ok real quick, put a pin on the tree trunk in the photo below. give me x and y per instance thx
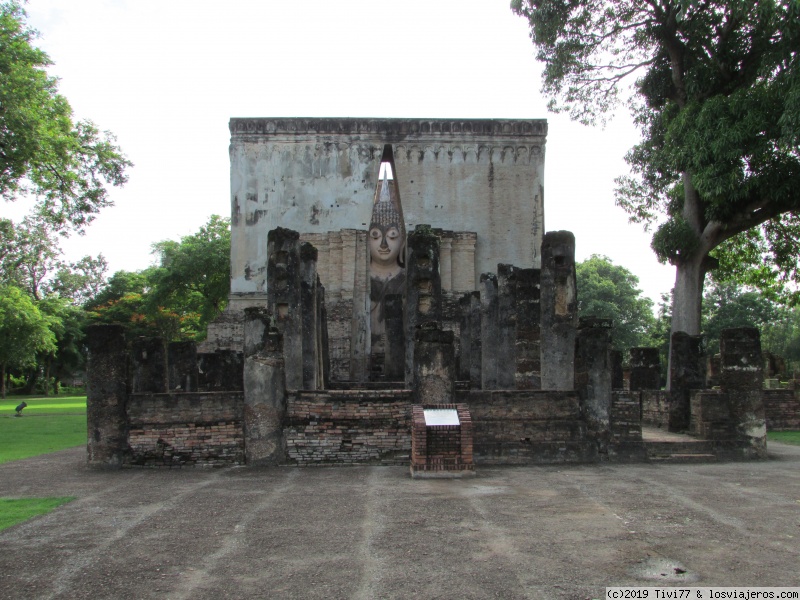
(3, 381)
(47, 378)
(687, 297)
(30, 382)
(687, 301)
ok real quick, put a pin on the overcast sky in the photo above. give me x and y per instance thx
(165, 76)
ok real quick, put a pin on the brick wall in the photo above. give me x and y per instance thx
(655, 408)
(782, 409)
(349, 427)
(624, 418)
(174, 430)
(527, 426)
(710, 416)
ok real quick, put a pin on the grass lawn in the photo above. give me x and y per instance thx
(787, 437)
(16, 510)
(38, 405)
(46, 425)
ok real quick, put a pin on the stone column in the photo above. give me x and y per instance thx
(489, 324)
(264, 389)
(470, 326)
(645, 369)
(528, 309)
(309, 309)
(148, 366)
(463, 261)
(106, 396)
(394, 358)
(434, 365)
(283, 298)
(360, 323)
(687, 373)
(742, 380)
(182, 361)
(325, 353)
(423, 288)
(446, 260)
(506, 331)
(559, 310)
(617, 378)
(593, 370)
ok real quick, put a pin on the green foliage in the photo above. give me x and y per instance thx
(17, 510)
(716, 95)
(195, 272)
(177, 299)
(728, 305)
(66, 166)
(610, 291)
(24, 331)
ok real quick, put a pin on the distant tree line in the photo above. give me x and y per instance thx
(611, 291)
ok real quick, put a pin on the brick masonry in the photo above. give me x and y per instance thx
(439, 450)
(176, 430)
(527, 427)
(349, 427)
(782, 409)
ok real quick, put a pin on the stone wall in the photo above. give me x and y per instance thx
(625, 427)
(185, 429)
(655, 408)
(782, 409)
(318, 175)
(349, 427)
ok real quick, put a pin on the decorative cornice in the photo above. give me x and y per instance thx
(390, 129)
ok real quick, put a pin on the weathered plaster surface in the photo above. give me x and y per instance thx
(319, 175)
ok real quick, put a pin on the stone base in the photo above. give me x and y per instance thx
(418, 473)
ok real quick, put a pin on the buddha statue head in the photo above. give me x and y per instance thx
(387, 234)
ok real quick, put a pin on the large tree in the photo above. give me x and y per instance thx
(612, 292)
(24, 332)
(716, 93)
(65, 165)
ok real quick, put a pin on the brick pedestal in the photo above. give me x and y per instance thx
(441, 451)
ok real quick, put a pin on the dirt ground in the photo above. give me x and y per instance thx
(373, 532)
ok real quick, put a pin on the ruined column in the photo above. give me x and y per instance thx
(182, 362)
(742, 380)
(470, 326)
(264, 389)
(617, 378)
(423, 288)
(359, 325)
(106, 396)
(283, 298)
(395, 356)
(506, 331)
(645, 369)
(325, 354)
(309, 311)
(687, 373)
(489, 324)
(593, 370)
(434, 364)
(528, 309)
(149, 366)
(559, 306)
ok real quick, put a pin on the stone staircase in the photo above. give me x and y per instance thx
(685, 451)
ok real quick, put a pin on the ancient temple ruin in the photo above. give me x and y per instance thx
(384, 270)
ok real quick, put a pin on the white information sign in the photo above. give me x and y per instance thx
(441, 416)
